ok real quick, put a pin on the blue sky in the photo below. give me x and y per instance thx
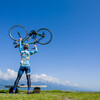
(74, 53)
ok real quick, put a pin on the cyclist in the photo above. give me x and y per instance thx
(24, 65)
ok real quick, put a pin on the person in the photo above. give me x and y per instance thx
(24, 65)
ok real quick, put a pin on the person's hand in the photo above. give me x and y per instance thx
(34, 45)
(20, 39)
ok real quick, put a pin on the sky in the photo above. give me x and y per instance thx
(72, 56)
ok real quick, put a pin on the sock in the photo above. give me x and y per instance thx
(14, 89)
(28, 89)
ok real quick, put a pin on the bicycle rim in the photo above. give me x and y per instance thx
(47, 36)
(13, 32)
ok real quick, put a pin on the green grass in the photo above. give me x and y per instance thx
(84, 95)
(49, 95)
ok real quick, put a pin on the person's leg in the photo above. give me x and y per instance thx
(20, 72)
(16, 82)
(28, 82)
(28, 78)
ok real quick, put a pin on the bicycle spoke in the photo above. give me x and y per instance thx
(45, 35)
(40, 39)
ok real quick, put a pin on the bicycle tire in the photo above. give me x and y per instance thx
(17, 26)
(50, 38)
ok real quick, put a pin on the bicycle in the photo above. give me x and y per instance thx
(42, 36)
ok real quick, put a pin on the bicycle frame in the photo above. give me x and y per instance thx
(33, 35)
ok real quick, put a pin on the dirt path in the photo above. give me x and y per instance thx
(66, 98)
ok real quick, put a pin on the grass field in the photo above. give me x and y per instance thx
(50, 95)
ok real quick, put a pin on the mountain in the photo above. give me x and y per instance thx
(50, 86)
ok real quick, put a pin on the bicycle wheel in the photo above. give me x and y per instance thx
(44, 36)
(16, 30)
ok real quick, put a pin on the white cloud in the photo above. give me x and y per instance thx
(67, 83)
(11, 75)
(44, 78)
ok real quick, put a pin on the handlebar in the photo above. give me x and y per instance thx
(17, 46)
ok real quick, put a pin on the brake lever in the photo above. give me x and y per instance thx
(16, 46)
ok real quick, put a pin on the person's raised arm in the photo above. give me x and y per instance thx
(35, 51)
(20, 45)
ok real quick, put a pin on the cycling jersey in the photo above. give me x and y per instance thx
(25, 55)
